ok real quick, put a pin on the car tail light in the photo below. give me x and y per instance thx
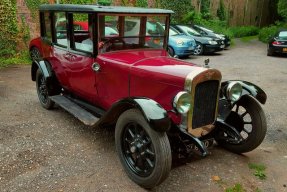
(276, 43)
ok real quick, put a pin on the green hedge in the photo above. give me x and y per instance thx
(266, 32)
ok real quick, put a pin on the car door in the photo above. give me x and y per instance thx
(80, 60)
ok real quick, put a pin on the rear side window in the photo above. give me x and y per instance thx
(82, 33)
(47, 23)
(61, 29)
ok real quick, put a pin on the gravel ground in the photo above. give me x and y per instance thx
(43, 150)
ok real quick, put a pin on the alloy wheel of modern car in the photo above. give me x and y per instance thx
(42, 91)
(249, 119)
(35, 54)
(198, 49)
(144, 152)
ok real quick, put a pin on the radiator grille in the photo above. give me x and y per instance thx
(205, 100)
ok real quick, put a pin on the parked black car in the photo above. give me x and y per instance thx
(209, 33)
(277, 43)
(204, 44)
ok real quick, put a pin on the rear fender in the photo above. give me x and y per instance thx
(155, 115)
(44, 66)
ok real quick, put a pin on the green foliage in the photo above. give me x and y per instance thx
(236, 188)
(104, 2)
(282, 9)
(248, 38)
(21, 58)
(244, 31)
(221, 14)
(142, 3)
(180, 9)
(266, 32)
(259, 170)
(205, 9)
(77, 1)
(9, 28)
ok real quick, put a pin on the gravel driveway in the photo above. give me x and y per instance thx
(43, 150)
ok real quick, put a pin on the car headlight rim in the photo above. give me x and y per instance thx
(182, 102)
(211, 42)
(179, 42)
(234, 91)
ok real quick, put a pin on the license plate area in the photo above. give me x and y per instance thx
(285, 49)
(207, 143)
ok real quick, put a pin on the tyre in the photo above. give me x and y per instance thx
(269, 51)
(198, 49)
(144, 153)
(35, 54)
(170, 51)
(42, 91)
(249, 119)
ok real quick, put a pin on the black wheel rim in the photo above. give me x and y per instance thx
(35, 54)
(138, 150)
(241, 119)
(42, 89)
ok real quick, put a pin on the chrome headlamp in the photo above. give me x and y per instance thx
(181, 102)
(234, 91)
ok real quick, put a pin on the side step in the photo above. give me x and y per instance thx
(86, 117)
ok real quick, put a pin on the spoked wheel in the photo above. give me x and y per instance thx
(198, 49)
(35, 54)
(249, 119)
(144, 153)
(42, 91)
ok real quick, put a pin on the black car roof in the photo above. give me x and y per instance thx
(102, 9)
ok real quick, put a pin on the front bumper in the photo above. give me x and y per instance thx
(213, 48)
(183, 51)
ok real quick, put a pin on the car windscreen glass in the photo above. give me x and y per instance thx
(283, 35)
(131, 32)
(173, 32)
(189, 30)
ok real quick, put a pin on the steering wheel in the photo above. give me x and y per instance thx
(110, 43)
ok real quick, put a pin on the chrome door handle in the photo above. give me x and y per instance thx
(96, 67)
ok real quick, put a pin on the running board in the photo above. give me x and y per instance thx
(83, 115)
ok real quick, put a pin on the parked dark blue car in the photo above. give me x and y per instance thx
(180, 44)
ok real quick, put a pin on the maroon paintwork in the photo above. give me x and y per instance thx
(122, 72)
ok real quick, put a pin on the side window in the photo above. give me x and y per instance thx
(61, 29)
(83, 37)
(47, 23)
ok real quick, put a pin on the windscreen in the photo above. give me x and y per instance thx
(117, 32)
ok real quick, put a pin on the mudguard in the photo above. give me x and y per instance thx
(43, 66)
(155, 115)
(248, 89)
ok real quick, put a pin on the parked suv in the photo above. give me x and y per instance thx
(159, 105)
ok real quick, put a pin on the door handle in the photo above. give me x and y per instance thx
(96, 67)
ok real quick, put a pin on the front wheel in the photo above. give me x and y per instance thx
(248, 118)
(42, 91)
(144, 153)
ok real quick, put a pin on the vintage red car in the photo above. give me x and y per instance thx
(159, 105)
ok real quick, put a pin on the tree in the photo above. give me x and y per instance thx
(180, 9)
(282, 9)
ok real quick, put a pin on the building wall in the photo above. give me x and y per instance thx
(23, 11)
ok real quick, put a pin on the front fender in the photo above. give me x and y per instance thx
(248, 89)
(155, 115)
